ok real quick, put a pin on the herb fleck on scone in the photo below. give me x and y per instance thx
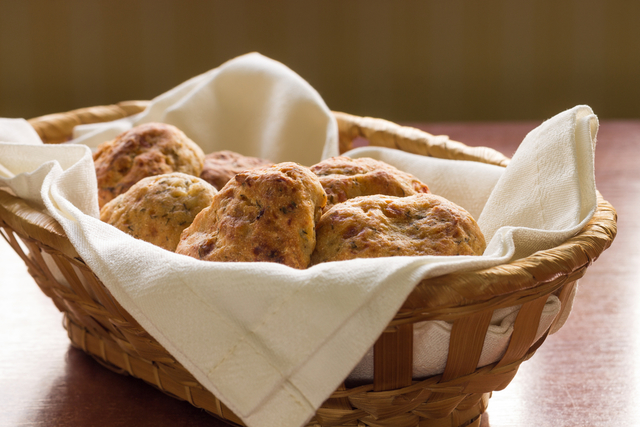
(379, 226)
(344, 178)
(158, 208)
(221, 166)
(260, 215)
(146, 150)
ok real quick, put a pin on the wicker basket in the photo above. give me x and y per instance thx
(97, 324)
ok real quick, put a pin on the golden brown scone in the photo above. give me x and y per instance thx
(146, 150)
(221, 166)
(260, 215)
(157, 208)
(379, 226)
(344, 178)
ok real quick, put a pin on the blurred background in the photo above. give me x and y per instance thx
(405, 61)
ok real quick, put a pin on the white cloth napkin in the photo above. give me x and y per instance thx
(251, 105)
(270, 341)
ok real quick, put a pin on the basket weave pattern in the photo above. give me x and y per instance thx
(98, 325)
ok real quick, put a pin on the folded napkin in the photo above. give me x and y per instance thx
(251, 105)
(272, 342)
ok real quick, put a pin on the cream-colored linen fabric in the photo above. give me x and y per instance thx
(273, 342)
(251, 104)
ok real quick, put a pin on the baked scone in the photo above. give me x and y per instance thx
(146, 150)
(157, 208)
(260, 215)
(380, 226)
(344, 178)
(221, 166)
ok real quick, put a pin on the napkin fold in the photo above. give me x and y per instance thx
(252, 105)
(272, 342)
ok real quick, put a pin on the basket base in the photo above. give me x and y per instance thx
(109, 354)
(163, 377)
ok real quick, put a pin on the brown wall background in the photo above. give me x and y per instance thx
(401, 60)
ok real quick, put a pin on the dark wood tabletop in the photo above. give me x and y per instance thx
(587, 374)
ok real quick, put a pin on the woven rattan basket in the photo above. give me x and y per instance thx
(97, 324)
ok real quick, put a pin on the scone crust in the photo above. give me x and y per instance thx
(158, 208)
(380, 226)
(221, 166)
(260, 215)
(146, 150)
(344, 178)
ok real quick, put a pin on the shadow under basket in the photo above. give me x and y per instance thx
(98, 325)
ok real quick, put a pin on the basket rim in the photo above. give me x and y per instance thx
(515, 282)
(455, 293)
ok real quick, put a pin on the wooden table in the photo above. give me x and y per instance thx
(585, 375)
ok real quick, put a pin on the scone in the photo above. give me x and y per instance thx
(344, 178)
(380, 226)
(221, 166)
(157, 208)
(146, 150)
(260, 215)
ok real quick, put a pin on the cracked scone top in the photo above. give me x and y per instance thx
(379, 226)
(156, 209)
(221, 166)
(259, 215)
(146, 150)
(344, 178)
